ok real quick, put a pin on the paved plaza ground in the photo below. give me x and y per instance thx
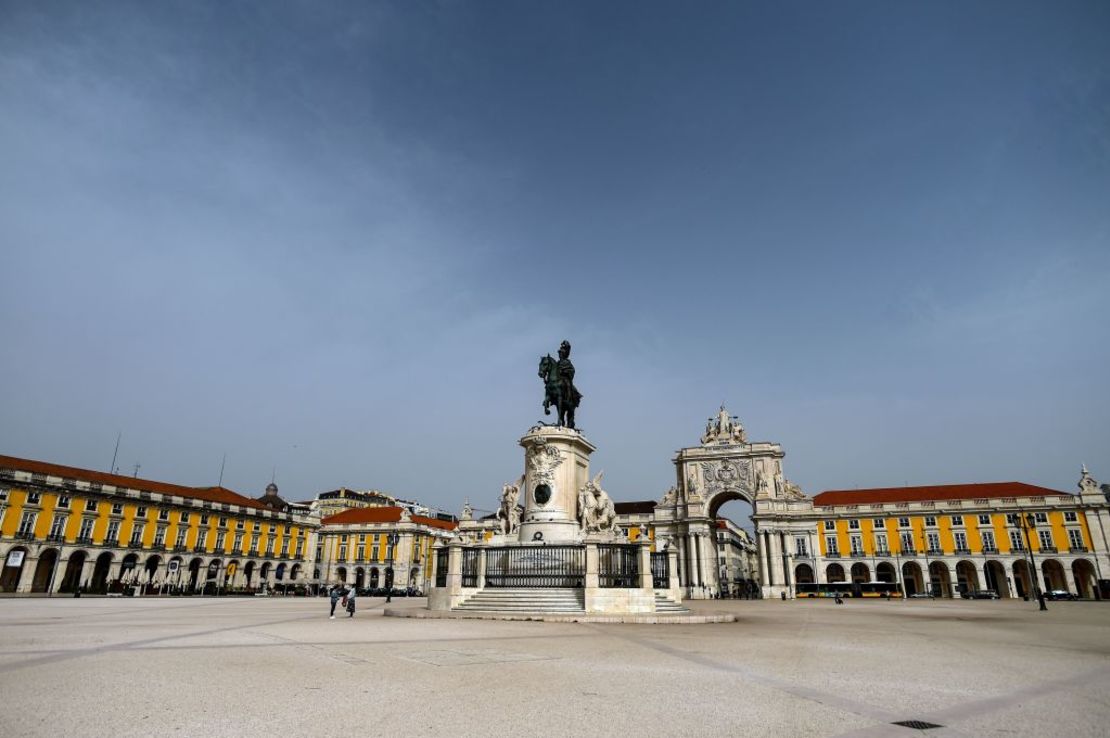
(268, 667)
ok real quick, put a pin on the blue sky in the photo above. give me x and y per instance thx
(335, 238)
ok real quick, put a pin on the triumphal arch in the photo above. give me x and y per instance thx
(726, 466)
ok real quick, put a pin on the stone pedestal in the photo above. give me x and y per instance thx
(557, 465)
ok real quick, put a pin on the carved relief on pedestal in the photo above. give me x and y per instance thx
(543, 459)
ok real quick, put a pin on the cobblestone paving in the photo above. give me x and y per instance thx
(262, 667)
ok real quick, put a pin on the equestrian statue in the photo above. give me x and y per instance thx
(558, 382)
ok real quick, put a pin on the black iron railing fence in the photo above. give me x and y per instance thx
(536, 566)
(470, 567)
(660, 570)
(441, 567)
(618, 566)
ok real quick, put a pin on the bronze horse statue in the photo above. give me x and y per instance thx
(559, 388)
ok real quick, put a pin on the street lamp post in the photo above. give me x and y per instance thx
(1029, 523)
(391, 539)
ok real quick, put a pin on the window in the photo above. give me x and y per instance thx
(240, 525)
(1015, 541)
(930, 521)
(1012, 518)
(58, 526)
(857, 544)
(3, 493)
(1069, 516)
(257, 528)
(361, 552)
(299, 545)
(137, 534)
(319, 552)
(984, 520)
(253, 544)
(1041, 517)
(987, 537)
(880, 543)
(830, 525)
(92, 505)
(853, 525)
(117, 508)
(1075, 538)
(204, 519)
(957, 520)
(907, 543)
(184, 517)
(27, 523)
(343, 538)
(63, 502)
(33, 498)
(163, 514)
(181, 538)
(113, 532)
(1045, 537)
(221, 538)
(830, 546)
(285, 547)
(160, 536)
(903, 522)
(272, 528)
(238, 545)
(140, 511)
(343, 552)
(223, 522)
(961, 540)
(934, 542)
(86, 529)
(800, 547)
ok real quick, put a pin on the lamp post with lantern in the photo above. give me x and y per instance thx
(1029, 523)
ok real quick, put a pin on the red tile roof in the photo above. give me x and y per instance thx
(936, 492)
(211, 494)
(383, 514)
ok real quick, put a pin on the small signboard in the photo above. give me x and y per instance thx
(15, 558)
(173, 566)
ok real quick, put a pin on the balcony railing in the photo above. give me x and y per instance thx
(135, 543)
(1048, 549)
(26, 535)
(56, 537)
(180, 548)
(833, 554)
(858, 555)
(84, 540)
(990, 549)
(1078, 550)
(110, 541)
(963, 551)
(157, 547)
(935, 552)
(882, 552)
(200, 549)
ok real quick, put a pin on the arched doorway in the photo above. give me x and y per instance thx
(967, 578)
(995, 574)
(212, 576)
(725, 560)
(360, 577)
(341, 574)
(374, 578)
(193, 579)
(803, 574)
(279, 572)
(71, 580)
(834, 573)
(1022, 582)
(912, 579)
(248, 573)
(101, 570)
(12, 571)
(294, 572)
(1084, 574)
(884, 572)
(414, 576)
(48, 560)
(230, 573)
(264, 572)
(1054, 578)
(940, 580)
(860, 573)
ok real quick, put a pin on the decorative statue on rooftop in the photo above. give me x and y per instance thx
(559, 389)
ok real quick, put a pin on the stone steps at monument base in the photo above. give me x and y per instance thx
(526, 600)
(663, 604)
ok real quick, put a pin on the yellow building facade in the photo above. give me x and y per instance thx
(64, 529)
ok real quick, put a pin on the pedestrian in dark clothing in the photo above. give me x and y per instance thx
(334, 593)
(351, 602)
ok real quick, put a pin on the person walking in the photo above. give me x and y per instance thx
(351, 602)
(333, 593)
